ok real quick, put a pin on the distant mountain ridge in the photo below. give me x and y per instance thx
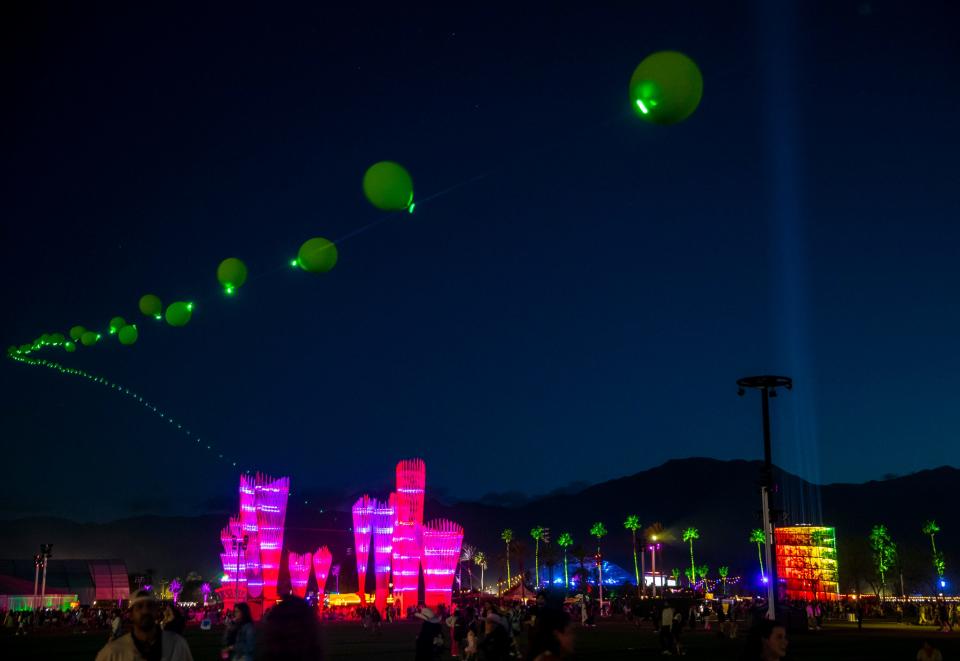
(718, 497)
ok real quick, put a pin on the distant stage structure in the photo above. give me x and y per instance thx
(807, 562)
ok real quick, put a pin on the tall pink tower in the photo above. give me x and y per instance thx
(407, 534)
(362, 529)
(271, 498)
(384, 516)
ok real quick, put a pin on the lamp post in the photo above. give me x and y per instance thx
(46, 550)
(767, 385)
(653, 565)
(239, 544)
(37, 562)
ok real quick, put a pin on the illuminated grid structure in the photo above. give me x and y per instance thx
(411, 482)
(442, 540)
(384, 515)
(807, 562)
(271, 499)
(362, 529)
(299, 565)
(235, 584)
(322, 558)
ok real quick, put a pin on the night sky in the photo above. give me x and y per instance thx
(574, 303)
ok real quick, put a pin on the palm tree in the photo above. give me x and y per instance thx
(689, 535)
(633, 524)
(759, 538)
(507, 537)
(931, 528)
(884, 553)
(599, 531)
(480, 560)
(565, 540)
(724, 572)
(676, 575)
(466, 555)
(537, 533)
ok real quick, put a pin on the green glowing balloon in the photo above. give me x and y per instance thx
(69, 347)
(116, 324)
(89, 338)
(317, 255)
(151, 305)
(232, 273)
(666, 87)
(388, 186)
(76, 332)
(128, 335)
(57, 338)
(179, 313)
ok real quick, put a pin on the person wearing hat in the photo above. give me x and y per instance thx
(147, 641)
(494, 644)
(430, 640)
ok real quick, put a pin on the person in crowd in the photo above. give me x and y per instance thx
(240, 637)
(551, 636)
(430, 639)
(767, 641)
(147, 641)
(495, 643)
(290, 631)
(116, 625)
(173, 620)
(666, 628)
(929, 653)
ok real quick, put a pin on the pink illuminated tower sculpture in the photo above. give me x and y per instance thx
(234, 563)
(384, 515)
(299, 565)
(442, 540)
(271, 499)
(321, 568)
(411, 480)
(362, 528)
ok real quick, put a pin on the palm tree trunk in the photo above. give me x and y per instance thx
(508, 565)
(536, 561)
(566, 576)
(760, 557)
(693, 569)
(636, 570)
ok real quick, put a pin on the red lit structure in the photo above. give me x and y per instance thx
(384, 515)
(442, 540)
(271, 499)
(248, 522)
(807, 562)
(299, 565)
(322, 559)
(362, 529)
(411, 475)
(234, 563)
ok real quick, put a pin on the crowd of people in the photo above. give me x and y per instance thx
(473, 631)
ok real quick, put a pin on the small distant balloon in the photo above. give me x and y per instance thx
(231, 273)
(69, 347)
(317, 255)
(77, 332)
(128, 335)
(116, 324)
(89, 338)
(666, 87)
(179, 313)
(151, 305)
(388, 186)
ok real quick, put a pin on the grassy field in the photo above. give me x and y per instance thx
(611, 640)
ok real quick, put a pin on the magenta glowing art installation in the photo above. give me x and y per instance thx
(233, 562)
(362, 528)
(322, 559)
(252, 541)
(271, 498)
(384, 515)
(299, 565)
(411, 482)
(442, 540)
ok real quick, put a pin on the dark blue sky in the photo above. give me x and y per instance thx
(579, 312)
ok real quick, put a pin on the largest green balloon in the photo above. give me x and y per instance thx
(388, 186)
(666, 87)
